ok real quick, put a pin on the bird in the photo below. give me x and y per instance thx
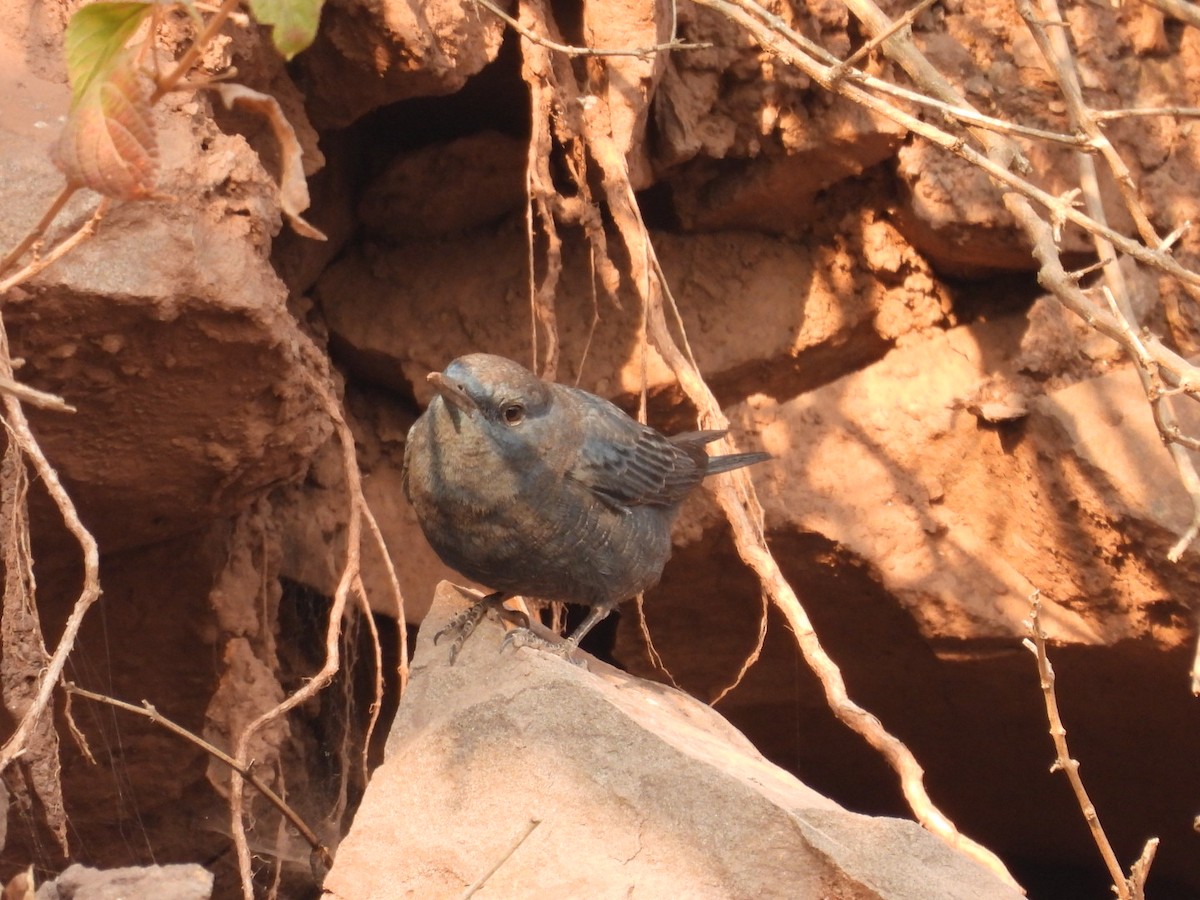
(546, 491)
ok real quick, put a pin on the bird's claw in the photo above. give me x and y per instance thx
(523, 637)
(463, 624)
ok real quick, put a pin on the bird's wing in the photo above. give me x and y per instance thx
(628, 464)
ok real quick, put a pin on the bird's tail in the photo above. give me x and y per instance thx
(718, 464)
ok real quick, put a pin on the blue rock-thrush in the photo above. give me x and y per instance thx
(546, 491)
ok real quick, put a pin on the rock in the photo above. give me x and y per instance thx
(948, 212)
(744, 142)
(951, 211)
(369, 54)
(928, 482)
(1107, 428)
(898, 425)
(777, 193)
(132, 326)
(633, 786)
(446, 188)
(763, 314)
(628, 83)
(171, 882)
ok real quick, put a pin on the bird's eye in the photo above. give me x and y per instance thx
(514, 414)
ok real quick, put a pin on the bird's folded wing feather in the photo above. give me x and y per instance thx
(628, 464)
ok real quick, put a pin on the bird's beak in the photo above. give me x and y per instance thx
(452, 391)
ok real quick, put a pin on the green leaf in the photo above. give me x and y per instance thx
(294, 22)
(95, 37)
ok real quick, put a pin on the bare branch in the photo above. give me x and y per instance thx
(19, 431)
(1179, 9)
(1140, 870)
(1130, 112)
(1195, 674)
(1057, 51)
(191, 56)
(869, 47)
(1063, 761)
(33, 396)
(752, 657)
(36, 232)
(397, 595)
(148, 711)
(349, 582)
(85, 231)
(965, 115)
(1001, 157)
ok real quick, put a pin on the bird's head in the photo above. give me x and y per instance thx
(494, 396)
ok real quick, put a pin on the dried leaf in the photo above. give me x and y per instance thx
(294, 22)
(293, 189)
(109, 143)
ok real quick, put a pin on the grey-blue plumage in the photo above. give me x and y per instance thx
(547, 491)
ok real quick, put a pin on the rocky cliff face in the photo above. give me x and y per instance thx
(947, 437)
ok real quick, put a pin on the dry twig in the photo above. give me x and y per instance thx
(148, 711)
(1132, 112)
(557, 108)
(876, 40)
(169, 82)
(1133, 887)
(85, 231)
(1001, 157)
(1179, 9)
(1195, 676)
(33, 396)
(474, 887)
(35, 233)
(739, 501)
(23, 651)
(349, 583)
(20, 432)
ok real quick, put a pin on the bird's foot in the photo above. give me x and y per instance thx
(523, 637)
(464, 623)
